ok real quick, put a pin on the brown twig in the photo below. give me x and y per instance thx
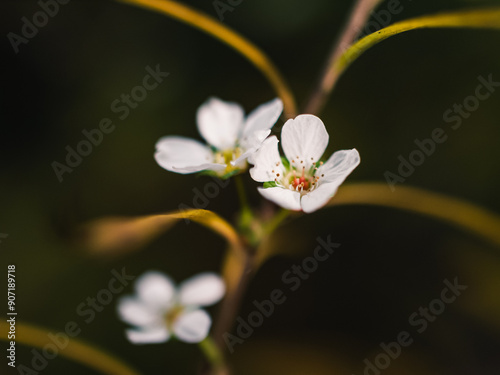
(231, 304)
(359, 15)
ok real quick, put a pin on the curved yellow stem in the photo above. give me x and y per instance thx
(468, 216)
(488, 18)
(118, 234)
(76, 350)
(223, 33)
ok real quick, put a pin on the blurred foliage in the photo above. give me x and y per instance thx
(389, 263)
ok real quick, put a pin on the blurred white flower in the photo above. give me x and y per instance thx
(231, 138)
(302, 182)
(160, 309)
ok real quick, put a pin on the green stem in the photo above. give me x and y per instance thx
(245, 208)
(276, 221)
(246, 220)
(213, 355)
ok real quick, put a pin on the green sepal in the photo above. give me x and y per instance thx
(285, 162)
(207, 172)
(216, 175)
(231, 174)
(270, 184)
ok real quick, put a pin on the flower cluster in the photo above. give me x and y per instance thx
(299, 181)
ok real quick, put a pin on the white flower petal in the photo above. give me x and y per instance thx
(263, 117)
(156, 290)
(339, 166)
(318, 197)
(192, 326)
(242, 157)
(134, 311)
(184, 155)
(202, 290)
(266, 160)
(304, 139)
(285, 198)
(152, 335)
(220, 123)
(252, 144)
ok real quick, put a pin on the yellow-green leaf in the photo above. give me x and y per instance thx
(458, 212)
(224, 34)
(76, 350)
(119, 234)
(487, 18)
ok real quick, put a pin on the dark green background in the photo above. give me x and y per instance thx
(389, 263)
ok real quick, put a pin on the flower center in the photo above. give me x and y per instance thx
(172, 315)
(226, 157)
(304, 182)
(298, 178)
(300, 183)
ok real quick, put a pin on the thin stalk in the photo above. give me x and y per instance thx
(359, 15)
(232, 302)
(214, 356)
(276, 221)
(240, 188)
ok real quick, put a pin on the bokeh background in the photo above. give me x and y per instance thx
(390, 262)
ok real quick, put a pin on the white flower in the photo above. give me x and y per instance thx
(304, 183)
(160, 310)
(231, 138)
